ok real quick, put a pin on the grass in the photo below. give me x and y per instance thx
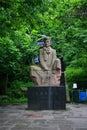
(6, 100)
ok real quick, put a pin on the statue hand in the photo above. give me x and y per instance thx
(46, 69)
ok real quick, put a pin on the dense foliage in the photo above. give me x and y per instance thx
(23, 22)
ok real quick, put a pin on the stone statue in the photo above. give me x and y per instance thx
(48, 73)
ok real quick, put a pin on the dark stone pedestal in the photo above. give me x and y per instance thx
(46, 98)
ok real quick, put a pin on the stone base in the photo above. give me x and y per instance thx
(46, 98)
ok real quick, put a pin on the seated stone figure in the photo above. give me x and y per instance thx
(49, 71)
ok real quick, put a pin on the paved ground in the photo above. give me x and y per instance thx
(16, 117)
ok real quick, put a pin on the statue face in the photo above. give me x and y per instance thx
(47, 43)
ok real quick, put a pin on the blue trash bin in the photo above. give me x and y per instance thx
(82, 96)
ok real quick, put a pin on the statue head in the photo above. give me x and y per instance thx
(47, 41)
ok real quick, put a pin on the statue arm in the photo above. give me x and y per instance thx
(56, 64)
(42, 62)
(54, 57)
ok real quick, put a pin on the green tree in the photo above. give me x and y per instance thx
(23, 22)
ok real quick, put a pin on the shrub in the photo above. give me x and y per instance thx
(76, 75)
